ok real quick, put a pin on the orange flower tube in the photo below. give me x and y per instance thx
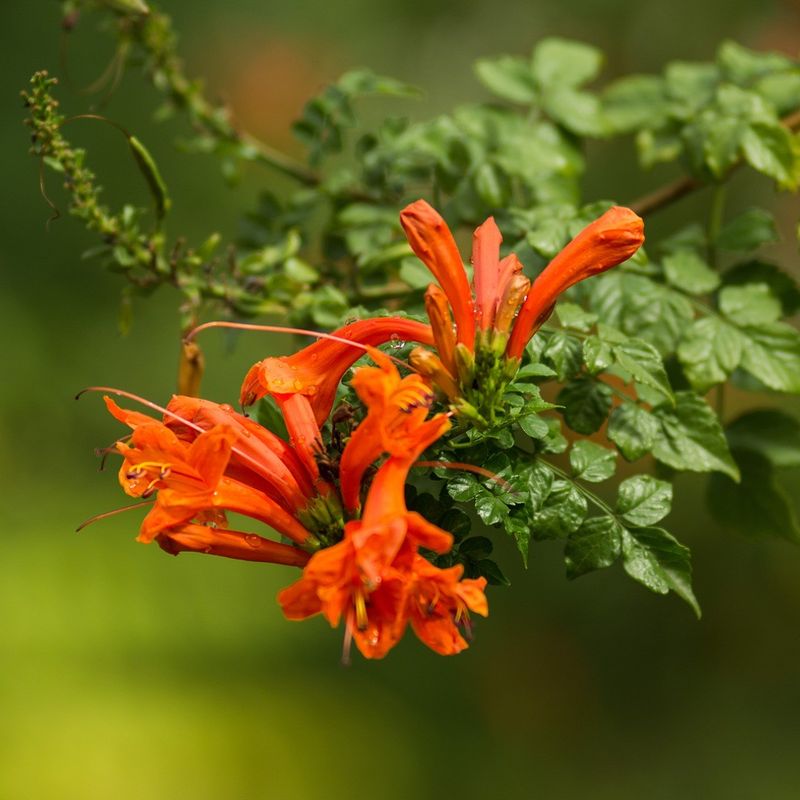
(604, 243)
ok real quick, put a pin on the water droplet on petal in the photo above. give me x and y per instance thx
(253, 540)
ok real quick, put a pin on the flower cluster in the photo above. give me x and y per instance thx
(341, 510)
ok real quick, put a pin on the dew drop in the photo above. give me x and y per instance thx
(253, 540)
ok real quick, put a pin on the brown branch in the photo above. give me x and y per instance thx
(671, 192)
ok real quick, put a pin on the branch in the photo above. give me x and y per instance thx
(672, 192)
(152, 33)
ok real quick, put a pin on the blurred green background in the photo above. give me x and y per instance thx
(125, 673)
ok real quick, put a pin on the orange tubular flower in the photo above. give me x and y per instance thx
(316, 370)
(371, 577)
(434, 245)
(609, 240)
(190, 481)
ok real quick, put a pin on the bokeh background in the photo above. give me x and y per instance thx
(128, 674)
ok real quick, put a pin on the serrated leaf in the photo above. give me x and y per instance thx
(710, 352)
(751, 304)
(518, 527)
(644, 500)
(562, 513)
(508, 77)
(579, 112)
(658, 561)
(493, 574)
(539, 479)
(597, 354)
(643, 362)
(636, 101)
(758, 505)
(565, 353)
(595, 545)
(586, 403)
(534, 426)
(771, 150)
(781, 285)
(561, 62)
(742, 65)
(690, 437)
(592, 462)
(685, 270)
(770, 432)
(748, 231)
(571, 315)
(491, 509)
(633, 430)
(772, 354)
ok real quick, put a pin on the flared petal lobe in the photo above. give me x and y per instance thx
(316, 370)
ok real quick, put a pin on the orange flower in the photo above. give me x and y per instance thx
(439, 600)
(395, 422)
(500, 287)
(369, 577)
(316, 370)
(190, 481)
(229, 544)
(609, 240)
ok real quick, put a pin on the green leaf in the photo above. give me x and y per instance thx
(644, 500)
(644, 363)
(710, 352)
(772, 354)
(635, 102)
(748, 231)
(269, 416)
(579, 112)
(597, 354)
(539, 478)
(741, 65)
(690, 437)
(573, 316)
(772, 150)
(508, 77)
(595, 545)
(591, 462)
(534, 426)
(685, 270)
(633, 430)
(658, 561)
(493, 574)
(586, 402)
(561, 62)
(782, 90)
(562, 513)
(657, 147)
(519, 528)
(751, 304)
(565, 353)
(770, 432)
(781, 285)
(758, 506)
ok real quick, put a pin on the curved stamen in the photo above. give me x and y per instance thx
(105, 514)
(250, 326)
(492, 476)
(155, 407)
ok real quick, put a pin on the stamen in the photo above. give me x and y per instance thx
(106, 514)
(348, 639)
(492, 476)
(249, 326)
(361, 610)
